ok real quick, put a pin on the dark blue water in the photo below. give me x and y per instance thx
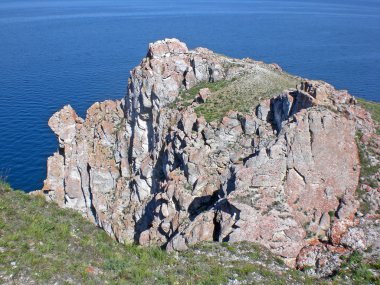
(54, 53)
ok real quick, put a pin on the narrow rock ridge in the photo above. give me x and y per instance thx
(149, 173)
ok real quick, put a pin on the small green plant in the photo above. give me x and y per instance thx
(229, 247)
(244, 269)
(4, 186)
(355, 258)
(254, 255)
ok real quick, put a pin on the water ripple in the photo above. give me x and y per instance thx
(54, 53)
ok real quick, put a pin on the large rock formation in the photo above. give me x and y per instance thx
(150, 170)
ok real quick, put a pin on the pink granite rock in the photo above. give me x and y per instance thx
(148, 173)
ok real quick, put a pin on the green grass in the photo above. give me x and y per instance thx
(367, 170)
(42, 243)
(48, 244)
(373, 108)
(4, 186)
(245, 93)
(239, 94)
(186, 97)
(365, 206)
(358, 270)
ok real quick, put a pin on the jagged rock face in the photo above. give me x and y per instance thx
(85, 173)
(283, 192)
(152, 174)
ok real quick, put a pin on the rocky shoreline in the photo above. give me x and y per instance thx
(280, 166)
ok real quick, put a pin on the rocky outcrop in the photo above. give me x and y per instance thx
(283, 175)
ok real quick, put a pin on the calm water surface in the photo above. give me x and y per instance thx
(54, 53)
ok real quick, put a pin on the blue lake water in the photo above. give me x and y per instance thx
(54, 53)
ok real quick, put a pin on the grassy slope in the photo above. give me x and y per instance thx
(367, 169)
(356, 268)
(245, 93)
(240, 94)
(43, 244)
(358, 271)
(372, 107)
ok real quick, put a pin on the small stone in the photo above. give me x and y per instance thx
(203, 94)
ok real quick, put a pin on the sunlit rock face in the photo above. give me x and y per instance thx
(283, 175)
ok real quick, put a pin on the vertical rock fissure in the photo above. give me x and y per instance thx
(92, 207)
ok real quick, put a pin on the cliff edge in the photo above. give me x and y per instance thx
(209, 148)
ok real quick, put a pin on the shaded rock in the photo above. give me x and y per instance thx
(203, 94)
(355, 239)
